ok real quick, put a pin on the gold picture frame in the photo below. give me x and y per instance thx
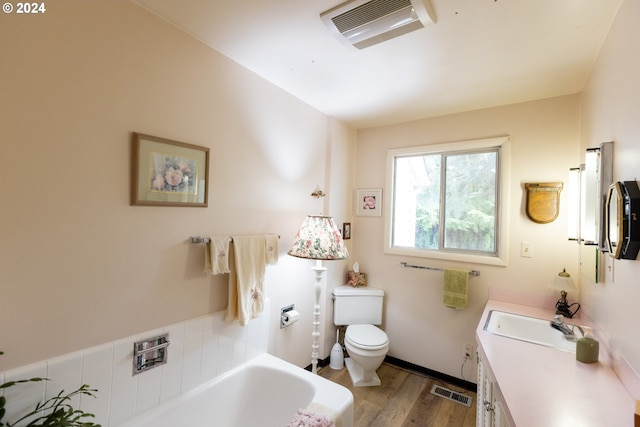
(168, 173)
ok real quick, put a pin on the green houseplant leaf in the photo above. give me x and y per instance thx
(53, 412)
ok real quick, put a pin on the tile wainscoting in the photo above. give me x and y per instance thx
(200, 349)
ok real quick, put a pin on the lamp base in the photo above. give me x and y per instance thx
(315, 343)
(564, 308)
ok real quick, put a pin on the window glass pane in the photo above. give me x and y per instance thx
(416, 214)
(449, 201)
(470, 202)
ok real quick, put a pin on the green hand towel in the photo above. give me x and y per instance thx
(456, 288)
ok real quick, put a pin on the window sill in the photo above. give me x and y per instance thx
(448, 256)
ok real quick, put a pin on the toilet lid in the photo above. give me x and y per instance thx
(366, 336)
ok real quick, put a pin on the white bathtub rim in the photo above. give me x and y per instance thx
(336, 398)
(339, 398)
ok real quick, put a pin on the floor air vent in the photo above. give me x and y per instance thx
(451, 395)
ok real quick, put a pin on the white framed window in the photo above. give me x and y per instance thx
(449, 201)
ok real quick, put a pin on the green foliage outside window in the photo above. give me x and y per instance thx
(467, 205)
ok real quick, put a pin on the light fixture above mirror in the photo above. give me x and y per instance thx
(587, 187)
(573, 203)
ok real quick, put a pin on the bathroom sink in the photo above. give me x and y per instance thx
(530, 329)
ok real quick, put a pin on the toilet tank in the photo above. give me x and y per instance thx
(353, 306)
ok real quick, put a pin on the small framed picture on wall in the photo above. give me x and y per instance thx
(346, 230)
(369, 202)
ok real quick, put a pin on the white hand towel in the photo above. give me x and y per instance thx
(246, 280)
(216, 255)
(271, 249)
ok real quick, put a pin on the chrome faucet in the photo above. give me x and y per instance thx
(567, 330)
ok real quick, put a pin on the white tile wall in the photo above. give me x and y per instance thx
(199, 350)
(20, 398)
(97, 371)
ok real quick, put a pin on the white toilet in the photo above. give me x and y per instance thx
(367, 345)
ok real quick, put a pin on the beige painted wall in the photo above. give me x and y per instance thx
(544, 145)
(296, 339)
(79, 265)
(610, 112)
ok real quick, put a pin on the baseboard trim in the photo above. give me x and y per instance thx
(321, 364)
(467, 385)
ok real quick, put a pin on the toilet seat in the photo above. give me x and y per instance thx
(366, 337)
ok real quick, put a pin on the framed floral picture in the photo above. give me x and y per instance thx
(168, 173)
(369, 202)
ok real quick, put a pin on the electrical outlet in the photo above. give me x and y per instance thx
(468, 351)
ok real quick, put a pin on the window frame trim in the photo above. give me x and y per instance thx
(501, 257)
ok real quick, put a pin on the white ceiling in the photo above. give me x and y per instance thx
(480, 53)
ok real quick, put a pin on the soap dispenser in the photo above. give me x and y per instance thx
(587, 348)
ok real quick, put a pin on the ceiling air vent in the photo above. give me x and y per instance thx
(364, 23)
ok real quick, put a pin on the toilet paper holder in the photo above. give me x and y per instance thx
(150, 352)
(288, 316)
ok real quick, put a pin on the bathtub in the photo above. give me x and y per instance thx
(265, 391)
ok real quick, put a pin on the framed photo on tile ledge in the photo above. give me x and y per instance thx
(369, 202)
(168, 173)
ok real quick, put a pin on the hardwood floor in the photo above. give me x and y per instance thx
(404, 399)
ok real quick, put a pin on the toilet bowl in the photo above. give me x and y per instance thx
(367, 347)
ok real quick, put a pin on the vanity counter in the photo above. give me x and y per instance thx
(542, 386)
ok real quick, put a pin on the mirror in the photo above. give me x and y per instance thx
(605, 172)
(622, 231)
(614, 202)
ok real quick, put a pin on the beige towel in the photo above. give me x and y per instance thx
(216, 255)
(271, 249)
(246, 279)
(456, 288)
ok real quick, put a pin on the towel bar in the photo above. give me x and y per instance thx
(404, 264)
(198, 239)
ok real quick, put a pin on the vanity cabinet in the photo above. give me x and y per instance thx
(489, 404)
(531, 385)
